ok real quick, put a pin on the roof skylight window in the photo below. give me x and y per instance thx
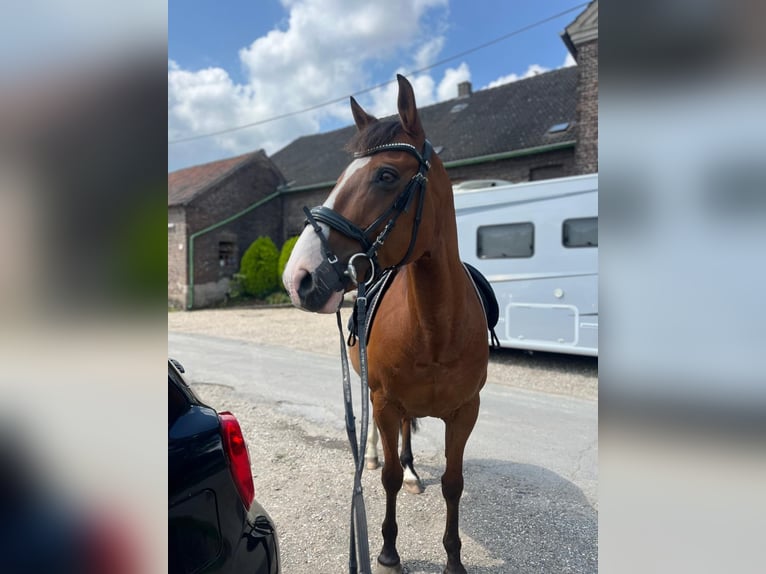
(555, 128)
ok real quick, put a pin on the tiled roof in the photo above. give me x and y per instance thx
(185, 184)
(510, 117)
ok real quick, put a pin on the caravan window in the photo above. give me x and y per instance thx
(508, 240)
(580, 232)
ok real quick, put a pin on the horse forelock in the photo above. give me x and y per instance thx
(375, 134)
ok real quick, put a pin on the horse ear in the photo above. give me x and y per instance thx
(361, 118)
(408, 111)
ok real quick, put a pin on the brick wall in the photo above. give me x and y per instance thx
(177, 278)
(248, 185)
(586, 152)
(293, 208)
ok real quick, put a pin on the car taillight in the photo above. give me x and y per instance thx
(239, 458)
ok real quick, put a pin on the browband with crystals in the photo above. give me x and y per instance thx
(394, 147)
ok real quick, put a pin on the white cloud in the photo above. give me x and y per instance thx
(532, 70)
(382, 102)
(208, 100)
(428, 52)
(452, 77)
(324, 51)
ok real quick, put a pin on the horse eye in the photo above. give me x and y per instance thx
(387, 176)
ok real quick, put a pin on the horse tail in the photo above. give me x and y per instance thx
(414, 425)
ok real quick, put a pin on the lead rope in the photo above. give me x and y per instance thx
(358, 537)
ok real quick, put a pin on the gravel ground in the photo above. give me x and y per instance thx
(303, 471)
(519, 523)
(290, 327)
(294, 461)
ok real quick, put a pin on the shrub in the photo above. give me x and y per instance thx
(259, 268)
(237, 286)
(278, 298)
(284, 255)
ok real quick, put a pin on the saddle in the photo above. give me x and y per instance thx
(488, 301)
(375, 294)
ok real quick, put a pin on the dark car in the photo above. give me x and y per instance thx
(215, 523)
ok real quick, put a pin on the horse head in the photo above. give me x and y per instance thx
(377, 216)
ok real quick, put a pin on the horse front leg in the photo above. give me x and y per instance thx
(371, 448)
(457, 430)
(412, 482)
(387, 419)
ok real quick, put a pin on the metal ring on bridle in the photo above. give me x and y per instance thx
(351, 270)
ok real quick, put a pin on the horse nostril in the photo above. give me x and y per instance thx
(306, 285)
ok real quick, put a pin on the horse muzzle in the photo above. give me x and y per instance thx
(318, 291)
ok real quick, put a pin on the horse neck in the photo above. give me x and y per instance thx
(434, 290)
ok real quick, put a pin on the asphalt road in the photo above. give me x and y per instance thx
(531, 463)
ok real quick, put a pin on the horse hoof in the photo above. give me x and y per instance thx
(372, 463)
(414, 486)
(381, 569)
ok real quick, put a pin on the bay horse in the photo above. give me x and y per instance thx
(428, 348)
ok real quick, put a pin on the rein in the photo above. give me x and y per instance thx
(358, 522)
(358, 537)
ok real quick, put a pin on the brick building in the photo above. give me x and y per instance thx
(581, 39)
(541, 127)
(215, 211)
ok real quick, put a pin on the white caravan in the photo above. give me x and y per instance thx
(537, 244)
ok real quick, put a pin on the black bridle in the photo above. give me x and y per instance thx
(370, 246)
(358, 539)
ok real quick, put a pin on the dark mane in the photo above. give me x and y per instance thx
(378, 133)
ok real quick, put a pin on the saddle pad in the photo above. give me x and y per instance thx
(374, 296)
(376, 292)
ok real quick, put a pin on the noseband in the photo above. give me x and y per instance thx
(370, 247)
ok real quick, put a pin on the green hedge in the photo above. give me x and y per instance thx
(259, 268)
(284, 255)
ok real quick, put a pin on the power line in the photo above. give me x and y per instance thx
(382, 84)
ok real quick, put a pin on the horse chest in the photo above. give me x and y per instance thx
(420, 387)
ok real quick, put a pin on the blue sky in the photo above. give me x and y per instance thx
(234, 63)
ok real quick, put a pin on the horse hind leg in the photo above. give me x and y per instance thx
(391, 476)
(412, 482)
(457, 430)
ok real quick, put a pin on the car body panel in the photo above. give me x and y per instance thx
(210, 530)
